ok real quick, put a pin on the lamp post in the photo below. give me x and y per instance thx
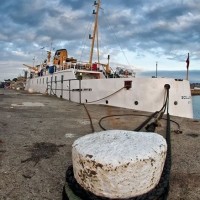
(156, 69)
(34, 61)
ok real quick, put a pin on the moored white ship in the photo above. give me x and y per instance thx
(95, 83)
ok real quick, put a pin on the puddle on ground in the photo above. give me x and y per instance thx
(42, 150)
(29, 104)
(3, 124)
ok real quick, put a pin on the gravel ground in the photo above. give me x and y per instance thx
(37, 131)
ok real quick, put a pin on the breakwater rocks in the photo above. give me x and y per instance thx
(195, 88)
(195, 92)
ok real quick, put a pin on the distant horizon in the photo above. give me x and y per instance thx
(194, 75)
(170, 70)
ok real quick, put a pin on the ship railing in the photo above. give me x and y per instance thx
(52, 87)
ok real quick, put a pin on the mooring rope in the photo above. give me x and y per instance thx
(91, 124)
(135, 115)
(106, 96)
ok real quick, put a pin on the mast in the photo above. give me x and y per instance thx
(95, 29)
(49, 54)
(98, 43)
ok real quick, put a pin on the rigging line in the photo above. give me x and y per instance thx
(106, 96)
(99, 38)
(85, 38)
(107, 21)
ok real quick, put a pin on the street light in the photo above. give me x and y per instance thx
(156, 69)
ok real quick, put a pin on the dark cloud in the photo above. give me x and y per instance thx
(168, 28)
(76, 4)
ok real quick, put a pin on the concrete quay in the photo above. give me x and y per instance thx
(37, 131)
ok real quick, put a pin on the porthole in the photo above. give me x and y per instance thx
(136, 103)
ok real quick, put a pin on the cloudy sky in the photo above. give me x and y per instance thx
(135, 33)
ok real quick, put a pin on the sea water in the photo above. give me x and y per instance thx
(196, 106)
(194, 77)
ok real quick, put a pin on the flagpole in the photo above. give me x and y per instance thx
(187, 66)
(187, 75)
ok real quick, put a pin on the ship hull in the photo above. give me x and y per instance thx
(143, 94)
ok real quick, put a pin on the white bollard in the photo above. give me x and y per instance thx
(119, 163)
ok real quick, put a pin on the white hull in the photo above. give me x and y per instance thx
(146, 94)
